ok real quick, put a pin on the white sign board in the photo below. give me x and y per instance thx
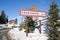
(32, 13)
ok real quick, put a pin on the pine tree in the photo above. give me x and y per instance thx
(58, 24)
(16, 21)
(52, 21)
(3, 18)
(7, 19)
(22, 25)
(30, 24)
(0, 19)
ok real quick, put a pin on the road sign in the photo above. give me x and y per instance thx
(32, 13)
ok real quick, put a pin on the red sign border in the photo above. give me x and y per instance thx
(32, 10)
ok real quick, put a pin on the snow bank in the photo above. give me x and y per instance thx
(21, 35)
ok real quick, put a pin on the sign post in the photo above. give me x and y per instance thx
(26, 27)
(40, 25)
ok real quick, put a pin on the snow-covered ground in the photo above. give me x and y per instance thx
(15, 34)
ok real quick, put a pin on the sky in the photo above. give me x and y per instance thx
(12, 7)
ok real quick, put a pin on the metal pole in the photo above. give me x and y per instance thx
(26, 27)
(40, 25)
